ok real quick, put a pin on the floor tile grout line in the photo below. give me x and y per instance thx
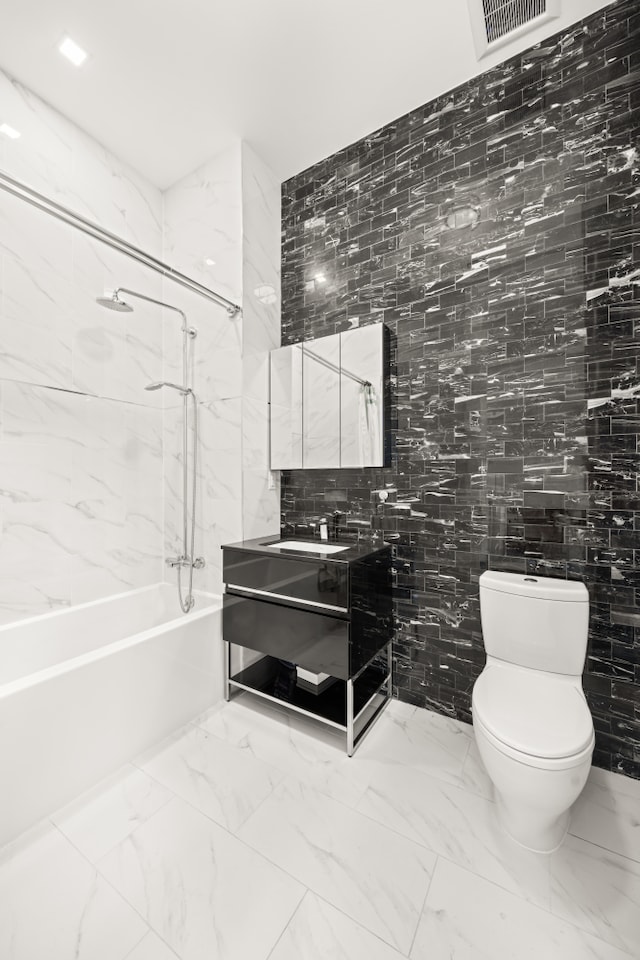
(220, 826)
(315, 892)
(115, 890)
(122, 839)
(306, 890)
(352, 809)
(439, 857)
(294, 878)
(289, 921)
(536, 906)
(456, 784)
(424, 903)
(299, 730)
(135, 947)
(358, 923)
(191, 804)
(601, 846)
(151, 931)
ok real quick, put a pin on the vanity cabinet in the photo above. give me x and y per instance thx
(328, 615)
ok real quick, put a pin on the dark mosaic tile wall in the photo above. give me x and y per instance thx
(516, 379)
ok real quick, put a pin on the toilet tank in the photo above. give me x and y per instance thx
(535, 622)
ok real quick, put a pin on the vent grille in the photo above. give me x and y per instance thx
(503, 16)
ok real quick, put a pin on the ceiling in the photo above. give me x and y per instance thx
(169, 83)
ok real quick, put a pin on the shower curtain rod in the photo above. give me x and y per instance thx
(23, 192)
(331, 366)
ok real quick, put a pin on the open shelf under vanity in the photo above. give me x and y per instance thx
(327, 615)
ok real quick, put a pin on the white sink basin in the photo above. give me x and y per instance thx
(308, 546)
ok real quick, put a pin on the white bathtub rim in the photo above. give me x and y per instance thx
(76, 663)
(73, 607)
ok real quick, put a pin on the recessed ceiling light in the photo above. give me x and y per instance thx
(209, 262)
(9, 131)
(72, 52)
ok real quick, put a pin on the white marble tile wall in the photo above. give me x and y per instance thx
(81, 498)
(80, 440)
(104, 522)
(219, 506)
(227, 212)
(261, 333)
(203, 222)
(58, 159)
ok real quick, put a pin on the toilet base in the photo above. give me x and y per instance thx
(529, 829)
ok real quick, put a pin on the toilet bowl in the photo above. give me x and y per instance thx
(531, 720)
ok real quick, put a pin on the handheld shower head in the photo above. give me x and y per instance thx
(114, 303)
(158, 384)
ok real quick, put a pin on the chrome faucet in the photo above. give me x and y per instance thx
(183, 561)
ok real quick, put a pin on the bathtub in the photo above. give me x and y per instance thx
(83, 690)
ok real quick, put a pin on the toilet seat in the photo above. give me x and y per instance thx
(527, 759)
(538, 718)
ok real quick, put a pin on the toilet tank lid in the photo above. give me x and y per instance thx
(535, 587)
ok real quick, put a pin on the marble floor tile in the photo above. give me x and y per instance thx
(374, 875)
(100, 819)
(206, 894)
(54, 905)
(598, 891)
(474, 777)
(607, 813)
(317, 931)
(617, 782)
(224, 782)
(455, 824)
(295, 745)
(333, 856)
(420, 739)
(468, 918)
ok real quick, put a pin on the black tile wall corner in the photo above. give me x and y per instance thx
(515, 360)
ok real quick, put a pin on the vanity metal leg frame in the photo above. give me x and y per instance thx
(354, 736)
(227, 670)
(354, 725)
(350, 718)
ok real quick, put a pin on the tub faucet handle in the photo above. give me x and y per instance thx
(183, 561)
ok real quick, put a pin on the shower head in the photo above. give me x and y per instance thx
(114, 303)
(158, 384)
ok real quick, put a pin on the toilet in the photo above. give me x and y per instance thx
(531, 720)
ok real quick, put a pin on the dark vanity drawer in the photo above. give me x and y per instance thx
(318, 582)
(316, 641)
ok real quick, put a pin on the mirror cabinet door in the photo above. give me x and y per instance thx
(321, 402)
(286, 408)
(361, 397)
(327, 401)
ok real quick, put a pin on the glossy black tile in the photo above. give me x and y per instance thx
(516, 355)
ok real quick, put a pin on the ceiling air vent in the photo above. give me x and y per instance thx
(495, 23)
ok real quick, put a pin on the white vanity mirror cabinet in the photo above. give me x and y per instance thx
(327, 401)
